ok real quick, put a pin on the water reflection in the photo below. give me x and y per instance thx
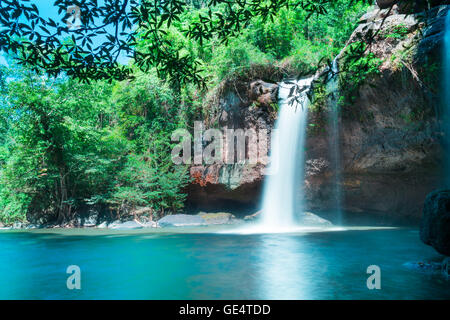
(314, 265)
(281, 273)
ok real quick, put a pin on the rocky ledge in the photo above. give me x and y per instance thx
(236, 188)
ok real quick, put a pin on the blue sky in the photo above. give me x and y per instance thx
(48, 10)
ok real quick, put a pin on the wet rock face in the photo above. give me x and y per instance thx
(235, 187)
(435, 224)
(383, 4)
(390, 137)
(431, 45)
(410, 6)
(238, 190)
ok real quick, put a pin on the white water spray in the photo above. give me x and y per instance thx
(286, 171)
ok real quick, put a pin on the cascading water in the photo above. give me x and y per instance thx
(335, 155)
(446, 98)
(286, 170)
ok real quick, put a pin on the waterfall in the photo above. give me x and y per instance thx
(333, 138)
(446, 99)
(286, 171)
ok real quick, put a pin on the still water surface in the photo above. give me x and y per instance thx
(202, 264)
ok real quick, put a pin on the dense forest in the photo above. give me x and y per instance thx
(67, 145)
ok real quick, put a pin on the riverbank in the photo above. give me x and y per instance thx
(144, 222)
(203, 219)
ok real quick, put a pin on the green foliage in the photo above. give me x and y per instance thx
(293, 40)
(151, 182)
(149, 114)
(356, 72)
(398, 32)
(107, 32)
(238, 57)
(67, 146)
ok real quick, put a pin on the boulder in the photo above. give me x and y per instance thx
(264, 93)
(217, 218)
(181, 220)
(18, 225)
(311, 220)
(128, 225)
(435, 224)
(149, 224)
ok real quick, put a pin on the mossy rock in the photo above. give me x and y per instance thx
(217, 218)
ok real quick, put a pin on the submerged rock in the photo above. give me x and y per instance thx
(435, 224)
(181, 220)
(424, 266)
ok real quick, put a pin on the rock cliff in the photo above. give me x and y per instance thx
(390, 136)
(242, 104)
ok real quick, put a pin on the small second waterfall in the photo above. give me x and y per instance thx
(282, 197)
(333, 138)
(446, 99)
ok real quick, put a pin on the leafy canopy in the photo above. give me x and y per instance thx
(111, 29)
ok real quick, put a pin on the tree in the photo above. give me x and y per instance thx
(60, 47)
(57, 156)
